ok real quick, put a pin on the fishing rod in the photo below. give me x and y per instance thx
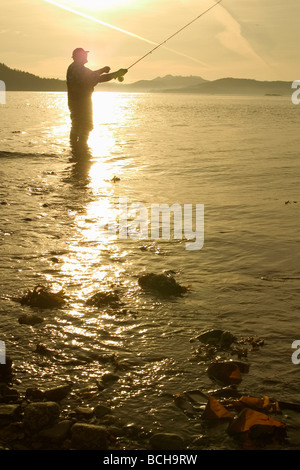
(120, 79)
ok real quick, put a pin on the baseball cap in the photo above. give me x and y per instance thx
(79, 50)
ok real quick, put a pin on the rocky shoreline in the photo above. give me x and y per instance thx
(51, 420)
(45, 420)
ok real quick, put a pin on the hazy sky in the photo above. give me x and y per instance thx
(238, 38)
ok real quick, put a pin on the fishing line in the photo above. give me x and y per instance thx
(174, 34)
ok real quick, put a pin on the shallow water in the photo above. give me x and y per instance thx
(236, 155)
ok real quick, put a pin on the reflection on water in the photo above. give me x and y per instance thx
(101, 159)
(92, 261)
(56, 206)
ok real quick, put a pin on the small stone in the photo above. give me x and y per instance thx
(89, 437)
(28, 319)
(167, 441)
(34, 394)
(40, 415)
(8, 414)
(109, 378)
(84, 412)
(101, 410)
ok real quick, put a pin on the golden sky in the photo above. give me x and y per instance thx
(238, 38)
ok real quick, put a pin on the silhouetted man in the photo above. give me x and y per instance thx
(81, 82)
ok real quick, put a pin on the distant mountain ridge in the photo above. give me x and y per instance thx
(17, 80)
(238, 86)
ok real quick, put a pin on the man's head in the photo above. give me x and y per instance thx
(80, 55)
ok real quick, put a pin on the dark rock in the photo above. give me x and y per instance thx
(161, 283)
(227, 372)
(167, 441)
(89, 437)
(84, 412)
(34, 394)
(9, 414)
(56, 433)
(101, 410)
(40, 415)
(29, 319)
(108, 379)
(12, 432)
(58, 393)
(258, 426)
(43, 350)
(8, 395)
(216, 337)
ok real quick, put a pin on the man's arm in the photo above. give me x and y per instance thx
(106, 77)
(103, 70)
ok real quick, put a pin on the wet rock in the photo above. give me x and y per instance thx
(8, 414)
(215, 410)
(216, 337)
(84, 412)
(8, 395)
(43, 350)
(40, 415)
(167, 441)
(12, 432)
(34, 394)
(227, 372)
(257, 425)
(58, 393)
(56, 433)
(161, 283)
(196, 396)
(29, 319)
(89, 437)
(101, 411)
(107, 379)
(102, 299)
(184, 404)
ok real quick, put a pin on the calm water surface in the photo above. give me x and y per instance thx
(239, 156)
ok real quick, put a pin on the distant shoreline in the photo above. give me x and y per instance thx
(17, 80)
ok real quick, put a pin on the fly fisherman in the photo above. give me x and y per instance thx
(80, 83)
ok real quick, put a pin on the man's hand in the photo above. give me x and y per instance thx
(106, 69)
(121, 72)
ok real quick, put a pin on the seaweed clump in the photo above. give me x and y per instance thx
(42, 297)
(102, 299)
